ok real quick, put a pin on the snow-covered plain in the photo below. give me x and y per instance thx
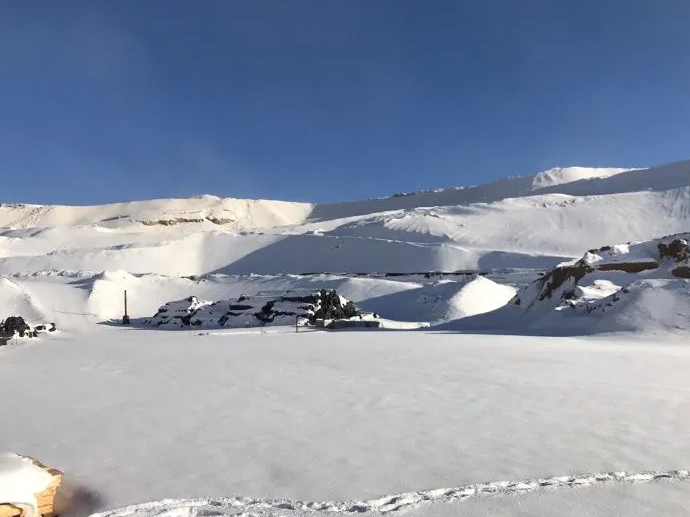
(270, 422)
(135, 416)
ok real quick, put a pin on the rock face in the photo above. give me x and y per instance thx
(16, 326)
(254, 311)
(633, 287)
(667, 257)
(174, 221)
(676, 250)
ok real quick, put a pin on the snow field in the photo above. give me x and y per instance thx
(273, 415)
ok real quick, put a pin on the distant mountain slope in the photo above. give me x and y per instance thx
(533, 221)
(488, 193)
(239, 214)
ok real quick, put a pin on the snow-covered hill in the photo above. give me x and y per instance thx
(90, 254)
(529, 222)
(641, 287)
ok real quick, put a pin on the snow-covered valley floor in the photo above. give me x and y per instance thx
(134, 416)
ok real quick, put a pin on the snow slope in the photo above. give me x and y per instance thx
(204, 210)
(526, 222)
(635, 287)
(442, 301)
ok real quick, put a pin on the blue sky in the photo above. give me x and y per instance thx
(328, 100)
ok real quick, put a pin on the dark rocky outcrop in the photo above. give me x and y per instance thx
(629, 267)
(220, 221)
(331, 307)
(676, 250)
(285, 309)
(564, 279)
(16, 326)
(681, 272)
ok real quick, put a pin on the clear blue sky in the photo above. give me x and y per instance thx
(106, 100)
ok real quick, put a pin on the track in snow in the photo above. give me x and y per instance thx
(243, 506)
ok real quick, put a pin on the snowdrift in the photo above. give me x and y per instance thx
(641, 286)
(443, 301)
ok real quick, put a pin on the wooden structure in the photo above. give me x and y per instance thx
(45, 499)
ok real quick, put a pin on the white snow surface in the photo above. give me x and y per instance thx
(349, 421)
(21, 480)
(443, 300)
(528, 222)
(641, 287)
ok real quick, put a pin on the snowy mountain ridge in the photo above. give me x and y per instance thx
(257, 213)
(217, 249)
(533, 221)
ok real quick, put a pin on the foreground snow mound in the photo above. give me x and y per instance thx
(641, 286)
(287, 309)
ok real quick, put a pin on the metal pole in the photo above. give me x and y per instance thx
(125, 317)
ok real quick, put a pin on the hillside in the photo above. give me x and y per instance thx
(525, 222)
(70, 264)
(640, 286)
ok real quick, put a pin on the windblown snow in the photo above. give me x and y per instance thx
(236, 413)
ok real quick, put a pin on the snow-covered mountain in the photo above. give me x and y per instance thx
(508, 230)
(530, 221)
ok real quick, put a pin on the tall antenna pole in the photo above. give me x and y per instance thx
(125, 318)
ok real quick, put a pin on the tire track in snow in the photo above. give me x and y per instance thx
(238, 506)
